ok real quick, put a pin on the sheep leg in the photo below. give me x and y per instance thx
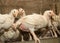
(35, 37)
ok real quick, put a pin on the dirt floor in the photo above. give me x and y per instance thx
(48, 40)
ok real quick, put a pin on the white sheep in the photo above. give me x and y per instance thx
(7, 20)
(31, 23)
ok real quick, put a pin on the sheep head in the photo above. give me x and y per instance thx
(21, 12)
(14, 12)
